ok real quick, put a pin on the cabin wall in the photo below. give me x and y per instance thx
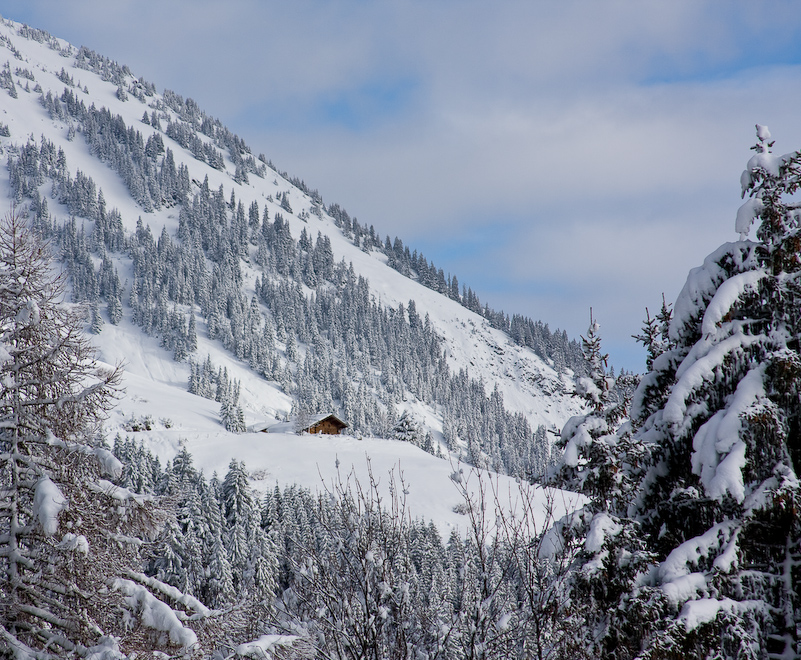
(326, 426)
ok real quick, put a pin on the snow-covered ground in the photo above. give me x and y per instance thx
(313, 461)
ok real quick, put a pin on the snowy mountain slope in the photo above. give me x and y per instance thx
(311, 461)
(37, 65)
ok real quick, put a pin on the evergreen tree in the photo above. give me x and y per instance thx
(191, 340)
(97, 319)
(724, 512)
(601, 460)
(716, 420)
(407, 429)
(655, 335)
(220, 590)
(231, 413)
(168, 565)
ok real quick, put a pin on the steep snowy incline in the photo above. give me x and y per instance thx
(42, 83)
(526, 382)
(315, 462)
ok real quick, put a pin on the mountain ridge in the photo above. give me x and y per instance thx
(91, 109)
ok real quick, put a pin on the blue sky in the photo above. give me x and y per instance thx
(554, 156)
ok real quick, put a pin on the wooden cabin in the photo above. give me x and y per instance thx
(329, 424)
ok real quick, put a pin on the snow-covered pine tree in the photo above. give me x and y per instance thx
(655, 333)
(721, 412)
(596, 444)
(407, 429)
(231, 414)
(97, 319)
(600, 461)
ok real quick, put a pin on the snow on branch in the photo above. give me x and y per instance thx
(683, 558)
(698, 612)
(201, 611)
(603, 526)
(697, 370)
(117, 492)
(265, 646)
(703, 281)
(109, 464)
(727, 294)
(746, 215)
(75, 543)
(153, 613)
(48, 502)
(718, 450)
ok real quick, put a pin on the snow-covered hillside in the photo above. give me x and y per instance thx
(316, 462)
(55, 94)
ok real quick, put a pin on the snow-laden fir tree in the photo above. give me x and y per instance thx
(598, 443)
(407, 429)
(231, 413)
(600, 461)
(656, 333)
(719, 416)
(722, 500)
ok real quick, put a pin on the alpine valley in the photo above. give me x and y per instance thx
(179, 319)
(215, 278)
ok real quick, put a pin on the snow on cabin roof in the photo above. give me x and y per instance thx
(272, 426)
(316, 419)
(261, 427)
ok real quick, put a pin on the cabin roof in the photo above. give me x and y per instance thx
(260, 427)
(317, 419)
